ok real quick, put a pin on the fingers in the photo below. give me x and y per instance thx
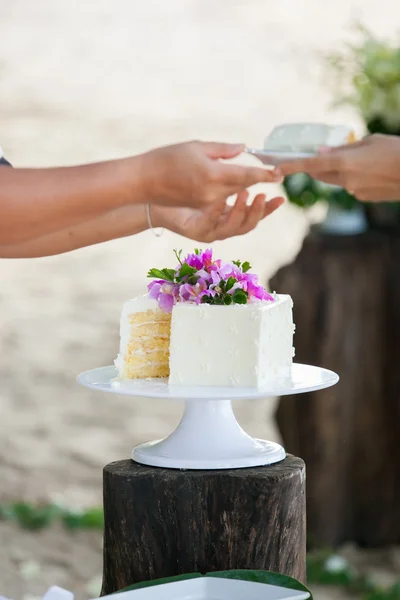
(344, 147)
(243, 218)
(328, 160)
(236, 177)
(374, 194)
(234, 219)
(272, 205)
(324, 163)
(217, 150)
(258, 211)
(253, 214)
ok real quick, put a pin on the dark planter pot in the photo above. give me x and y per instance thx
(383, 216)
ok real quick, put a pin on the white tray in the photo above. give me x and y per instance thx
(212, 588)
(274, 158)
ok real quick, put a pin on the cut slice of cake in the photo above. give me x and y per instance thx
(207, 323)
(145, 336)
(307, 137)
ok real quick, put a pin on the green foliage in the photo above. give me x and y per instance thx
(323, 568)
(92, 518)
(304, 191)
(366, 75)
(30, 516)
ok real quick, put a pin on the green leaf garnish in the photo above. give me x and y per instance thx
(193, 279)
(169, 274)
(230, 283)
(239, 297)
(228, 299)
(237, 263)
(178, 254)
(161, 274)
(197, 251)
(246, 266)
(185, 271)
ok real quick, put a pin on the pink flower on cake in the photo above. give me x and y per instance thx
(195, 293)
(200, 279)
(202, 260)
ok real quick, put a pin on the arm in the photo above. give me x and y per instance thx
(118, 223)
(40, 202)
(35, 203)
(217, 221)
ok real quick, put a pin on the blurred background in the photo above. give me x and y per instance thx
(88, 80)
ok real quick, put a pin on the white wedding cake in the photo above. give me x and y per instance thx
(207, 323)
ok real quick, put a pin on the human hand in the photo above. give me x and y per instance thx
(217, 221)
(191, 174)
(368, 169)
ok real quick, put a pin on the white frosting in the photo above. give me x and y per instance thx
(305, 137)
(140, 304)
(237, 345)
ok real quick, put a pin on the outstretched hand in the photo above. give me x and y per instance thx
(218, 221)
(368, 169)
(192, 174)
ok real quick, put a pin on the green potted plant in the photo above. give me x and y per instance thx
(366, 76)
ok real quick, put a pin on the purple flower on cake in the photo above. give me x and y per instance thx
(200, 279)
(165, 292)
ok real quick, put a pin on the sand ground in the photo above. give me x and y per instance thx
(95, 79)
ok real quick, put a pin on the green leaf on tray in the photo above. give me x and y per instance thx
(241, 574)
(262, 577)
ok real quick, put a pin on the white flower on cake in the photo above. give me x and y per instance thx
(225, 330)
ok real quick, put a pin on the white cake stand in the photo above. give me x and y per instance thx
(208, 436)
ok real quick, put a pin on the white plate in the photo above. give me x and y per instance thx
(304, 378)
(212, 588)
(274, 158)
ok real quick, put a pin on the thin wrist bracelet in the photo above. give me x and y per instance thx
(157, 232)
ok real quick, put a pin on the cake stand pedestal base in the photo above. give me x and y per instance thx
(208, 437)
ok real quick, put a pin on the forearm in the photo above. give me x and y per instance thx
(114, 224)
(36, 203)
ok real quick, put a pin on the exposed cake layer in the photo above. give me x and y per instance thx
(237, 345)
(307, 137)
(145, 338)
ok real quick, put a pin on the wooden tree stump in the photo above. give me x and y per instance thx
(163, 522)
(346, 293)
